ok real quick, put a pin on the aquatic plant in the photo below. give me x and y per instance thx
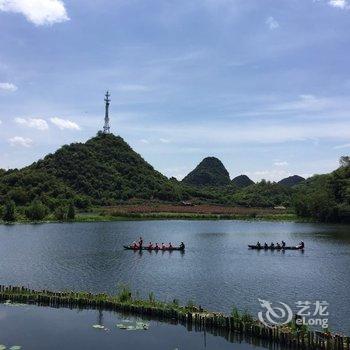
(235, 314)
(124, 293)
(246, 317)
(151, 298)
(191, 305)
(176, 303)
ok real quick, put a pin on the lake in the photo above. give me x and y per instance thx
(217, 270)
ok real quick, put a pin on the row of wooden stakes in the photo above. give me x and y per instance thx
(201, 321)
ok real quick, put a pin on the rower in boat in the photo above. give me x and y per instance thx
(272, 245)
(283, 244)
(150, 246)
(157, 246)
(301, 245)
(266, 246)
(258, 245)
(278, 246)
(170, 245)
(163, 246)
(140, 242)
(182, 246)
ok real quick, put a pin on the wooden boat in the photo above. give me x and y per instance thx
(159, 249)
(276, 248)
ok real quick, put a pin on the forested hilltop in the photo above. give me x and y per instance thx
(325, 197)
(105, 171)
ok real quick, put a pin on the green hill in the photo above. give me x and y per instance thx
(104, 170)
(326, 197)
(291, 181)
(263, 194)
(209, 172)
(242, 181)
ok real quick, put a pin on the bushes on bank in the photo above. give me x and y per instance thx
(9, 211)
(36, 211)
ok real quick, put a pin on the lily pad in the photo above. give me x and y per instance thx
(10, 303)
(121, 326)
(133, 327)
(98, 326)
(142, 325)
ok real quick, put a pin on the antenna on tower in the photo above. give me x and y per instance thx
(106, 127)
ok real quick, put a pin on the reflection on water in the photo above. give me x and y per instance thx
(39, 328)
(216, 271)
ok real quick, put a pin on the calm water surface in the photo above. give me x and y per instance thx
(42, 328)
(217, 270)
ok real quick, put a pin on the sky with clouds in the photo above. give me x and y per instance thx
(264, 85)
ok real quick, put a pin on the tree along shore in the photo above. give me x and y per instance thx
(95, 217)
(158, 211)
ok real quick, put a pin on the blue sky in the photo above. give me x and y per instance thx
(264, 85)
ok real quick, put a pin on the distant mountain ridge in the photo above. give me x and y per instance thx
(209, 172)
(242, 181)
(105, 171)
(291, 181)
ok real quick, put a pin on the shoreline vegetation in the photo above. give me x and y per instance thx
(106, 171)
(189, 315)
(168, 212)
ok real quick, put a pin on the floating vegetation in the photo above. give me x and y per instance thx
(98, 326)
(122, 326)
(13, 347)
(142, 325)
(10, 303)
(133, 326)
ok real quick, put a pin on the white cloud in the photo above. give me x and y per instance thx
(39, 12)
(164, 140)
(272, 23)
(341, 4)
(346, 145)
(271, 175)
(249, 132)
(8, 86)
(280, 163)
(36, 123)
(146, 142)
(178, 172)
(133, 88)
(20, 141)
(306, 103)
(64, 124)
